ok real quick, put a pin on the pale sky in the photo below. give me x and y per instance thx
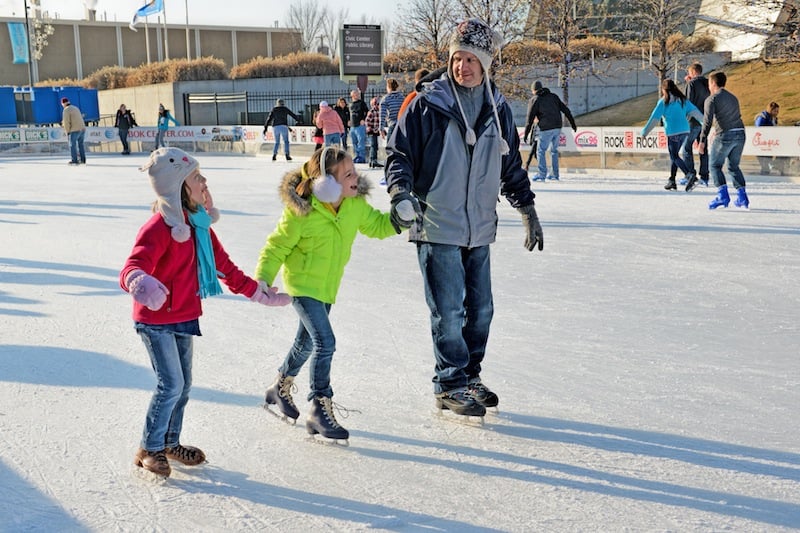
(207, 12)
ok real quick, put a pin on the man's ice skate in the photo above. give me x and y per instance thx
(462, 403)
(482, 394)
(187, 455)
(321, 421)
(280, 394)
(152, 466)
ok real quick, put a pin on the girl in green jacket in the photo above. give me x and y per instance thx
(325, 207)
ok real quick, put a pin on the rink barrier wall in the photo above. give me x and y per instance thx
(773, 141)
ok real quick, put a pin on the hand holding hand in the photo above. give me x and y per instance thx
(533, 230)
(146, 290)
(269, 296)
(405, 209)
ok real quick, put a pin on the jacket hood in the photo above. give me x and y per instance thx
(440, 94)
(543, 91)
(303, 206)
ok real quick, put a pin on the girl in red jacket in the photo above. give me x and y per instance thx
(175, 262)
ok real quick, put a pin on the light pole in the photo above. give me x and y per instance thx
(30, 50)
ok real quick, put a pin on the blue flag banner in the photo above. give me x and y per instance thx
(150, 8)
(19, 42)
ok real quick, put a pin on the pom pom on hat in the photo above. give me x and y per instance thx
(168, 168)
(475, 36)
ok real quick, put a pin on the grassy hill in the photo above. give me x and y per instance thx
(755, 83)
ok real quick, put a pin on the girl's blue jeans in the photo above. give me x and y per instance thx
(314, 340)
(171, 358)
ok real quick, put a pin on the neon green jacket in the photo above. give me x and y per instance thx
(313, 245)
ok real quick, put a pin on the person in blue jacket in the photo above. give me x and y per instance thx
(675, 110)
(164, 118)
(452, 153)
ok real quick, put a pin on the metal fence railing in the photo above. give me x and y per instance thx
(252, 108)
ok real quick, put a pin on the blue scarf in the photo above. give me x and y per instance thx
(206, 267)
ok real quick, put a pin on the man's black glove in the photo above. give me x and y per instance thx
(405, 209)
(533, 230)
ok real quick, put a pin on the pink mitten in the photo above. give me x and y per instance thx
(266, 295)
(146, 290)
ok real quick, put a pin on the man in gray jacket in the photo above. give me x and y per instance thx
(453, 151)
(722, 107)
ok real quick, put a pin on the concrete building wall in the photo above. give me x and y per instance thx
(101, 44)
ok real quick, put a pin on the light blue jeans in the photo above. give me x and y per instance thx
(548, 139)
(332, 139)
(314, 339)
(170, 348)
(281, 132)
(458, 290)
(727, 145)
(358, 134)
(160, 134)
(76, 146)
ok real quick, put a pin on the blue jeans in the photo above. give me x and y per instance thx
(123, 138)
(76, 147)
(358, 134)
(314, 337)
(674, 144)
(373, 148)
(332, 139)
(458, 290)
(281, 132)
(160, 134)
(171, 358)
(688, 156)
(548, 139)
(727, 145)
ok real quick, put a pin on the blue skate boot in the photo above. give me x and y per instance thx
(742, 200)
(721, 199)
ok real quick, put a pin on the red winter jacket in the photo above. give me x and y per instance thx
(175, 265)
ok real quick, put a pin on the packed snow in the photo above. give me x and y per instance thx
(646, 363)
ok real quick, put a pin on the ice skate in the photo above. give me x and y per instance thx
(742, 201)
(151, 465)
(187, 455)
(321, 421)
(722, 199)
(280, 394)
(482, 394)
(460, 402)
(670, 185)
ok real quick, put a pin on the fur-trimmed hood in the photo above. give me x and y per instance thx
(302, 206)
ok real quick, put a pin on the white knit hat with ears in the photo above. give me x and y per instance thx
(168, 169)
(475, 36)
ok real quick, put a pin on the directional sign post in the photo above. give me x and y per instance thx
(361, 47)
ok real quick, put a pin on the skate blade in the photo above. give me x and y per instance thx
(466, 420)
(325, 441)
(280, 416)
(146, 475)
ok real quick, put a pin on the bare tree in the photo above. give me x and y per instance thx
(561, 18)
(332, 24)
(308, 17)
(660, 20)
(507, 18)
(426, 26)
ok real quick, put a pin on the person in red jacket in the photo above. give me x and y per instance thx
(175, 262)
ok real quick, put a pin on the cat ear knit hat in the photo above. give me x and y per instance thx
(168, 168)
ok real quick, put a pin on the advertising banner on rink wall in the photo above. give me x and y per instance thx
(772, 141)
